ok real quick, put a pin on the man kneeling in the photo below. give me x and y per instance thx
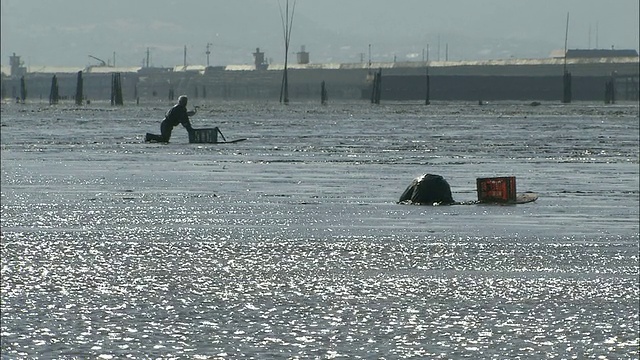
(178, 114)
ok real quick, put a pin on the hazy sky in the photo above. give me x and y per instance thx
(66, 32)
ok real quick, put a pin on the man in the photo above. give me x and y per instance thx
(178, 114)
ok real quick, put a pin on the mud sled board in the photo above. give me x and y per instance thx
(231, 141)
(526, 197)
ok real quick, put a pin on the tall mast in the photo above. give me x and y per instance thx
(566, 37)
(287, 24)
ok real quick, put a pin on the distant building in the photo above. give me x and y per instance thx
(594, 53)
(303, 56)
(258, 60)
(600, 53)
(17, 68)
(506, 79)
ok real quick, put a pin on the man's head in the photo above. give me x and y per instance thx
(182, 100)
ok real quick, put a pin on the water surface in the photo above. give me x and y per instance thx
(291, 245)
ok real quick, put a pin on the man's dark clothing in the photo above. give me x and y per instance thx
(178, 115)
(175, 116)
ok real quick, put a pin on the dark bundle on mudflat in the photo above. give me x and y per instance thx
(428, 189)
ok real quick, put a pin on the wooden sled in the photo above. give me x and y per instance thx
(231, 141)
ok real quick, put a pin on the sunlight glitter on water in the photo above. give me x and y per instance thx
(291, 244)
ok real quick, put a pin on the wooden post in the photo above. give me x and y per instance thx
(23, 89)
(323, 94)
(119, 100)
(373, 88)
(113, 89)
(626, 89)
(427, 99)
(566, 89)
(79, 89)
(613, 89)
(116, 89)
(379, 86)
(609, 91)
(53, 94)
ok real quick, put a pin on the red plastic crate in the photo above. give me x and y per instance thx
(497, 189)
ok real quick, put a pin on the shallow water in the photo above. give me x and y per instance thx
(291, 244)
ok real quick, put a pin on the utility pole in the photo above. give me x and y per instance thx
(185, 57)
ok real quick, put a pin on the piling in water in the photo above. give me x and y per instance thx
(427, 99)
(79, 89)
(54, 96)
(373, 88)
(566, 88)
(116, 89)
(323, 94)
(23, 90)
(377, 87)
(610, 91)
